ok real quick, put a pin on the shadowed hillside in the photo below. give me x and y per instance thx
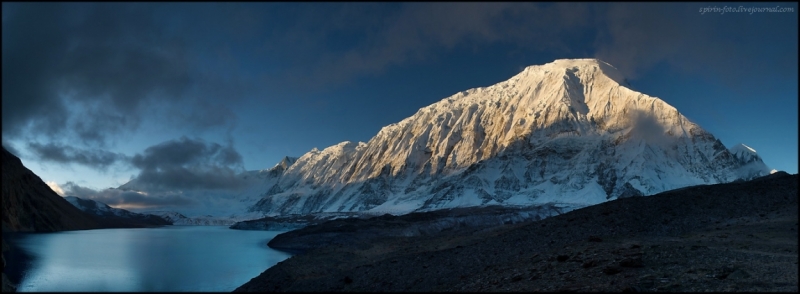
(29, 205)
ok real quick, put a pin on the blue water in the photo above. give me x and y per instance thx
(168, 259)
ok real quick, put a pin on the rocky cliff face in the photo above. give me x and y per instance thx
(564, 132)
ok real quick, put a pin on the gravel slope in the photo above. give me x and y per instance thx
(726, 237)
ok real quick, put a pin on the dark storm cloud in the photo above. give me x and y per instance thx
(91, 70)
(98, 159)
(188, 164)
(117, 197)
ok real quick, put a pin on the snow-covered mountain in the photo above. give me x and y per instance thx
(567, 132)
(751, 164)
(117, 216)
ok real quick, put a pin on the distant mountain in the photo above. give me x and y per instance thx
(29, 205)
(115, 217)
(569, 132)
(181, 220)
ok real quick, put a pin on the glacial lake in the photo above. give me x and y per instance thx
(166, 259)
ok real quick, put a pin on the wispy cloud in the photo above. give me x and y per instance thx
(635, 37)
(335, 43)
(93, 158)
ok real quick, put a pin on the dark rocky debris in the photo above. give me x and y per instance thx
(726, 237)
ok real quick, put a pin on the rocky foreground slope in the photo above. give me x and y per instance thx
(361, 231)
(413, 224)
(724, 237)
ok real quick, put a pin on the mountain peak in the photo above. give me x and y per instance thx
(286, 162)
(566, 62)
(744, 153)
(583, 64)
(739, 148)
(751, 164)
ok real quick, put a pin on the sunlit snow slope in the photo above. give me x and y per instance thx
(564, 132)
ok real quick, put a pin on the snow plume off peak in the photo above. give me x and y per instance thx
(566, 132)
(742, 148)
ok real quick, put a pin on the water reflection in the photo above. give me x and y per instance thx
(173, 258)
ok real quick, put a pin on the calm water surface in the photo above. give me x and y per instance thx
(172, 258)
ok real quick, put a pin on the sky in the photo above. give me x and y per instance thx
(189, 94)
